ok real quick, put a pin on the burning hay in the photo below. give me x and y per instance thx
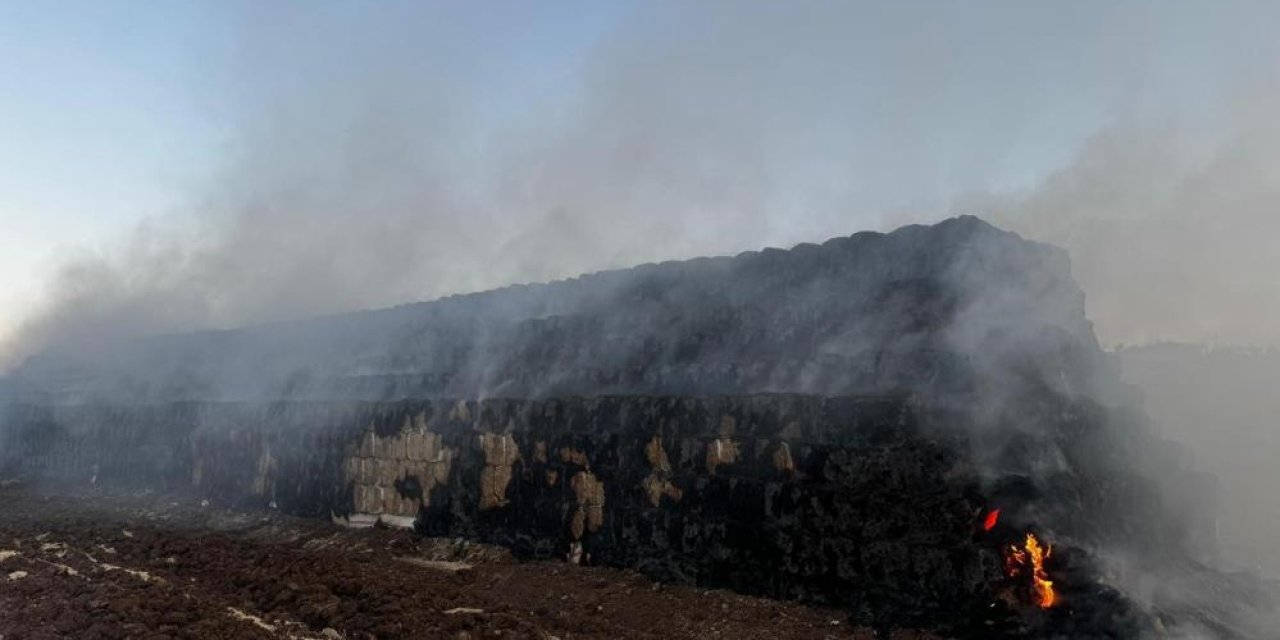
(1027, 561)
(830, 423)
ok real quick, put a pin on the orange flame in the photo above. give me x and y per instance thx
(1030, 558)
(992, 518)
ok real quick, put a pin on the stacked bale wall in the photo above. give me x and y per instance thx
(839, 500)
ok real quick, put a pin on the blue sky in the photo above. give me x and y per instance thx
(111, 109)
(101, 122)
(655, 130)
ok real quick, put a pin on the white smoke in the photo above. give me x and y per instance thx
(398, 153)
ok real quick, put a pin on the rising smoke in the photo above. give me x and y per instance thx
(382, 157)
(1173, 239)
(1172, 234)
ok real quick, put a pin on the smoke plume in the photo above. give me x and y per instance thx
(376, 157)
(379, 155)
(1171, 231)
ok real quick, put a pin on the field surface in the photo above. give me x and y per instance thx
(145, 566)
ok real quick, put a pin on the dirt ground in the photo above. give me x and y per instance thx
(138, 566)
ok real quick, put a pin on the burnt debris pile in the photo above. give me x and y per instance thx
(878, 423)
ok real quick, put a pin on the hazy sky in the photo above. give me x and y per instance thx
(209, 164)
(115, 113)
